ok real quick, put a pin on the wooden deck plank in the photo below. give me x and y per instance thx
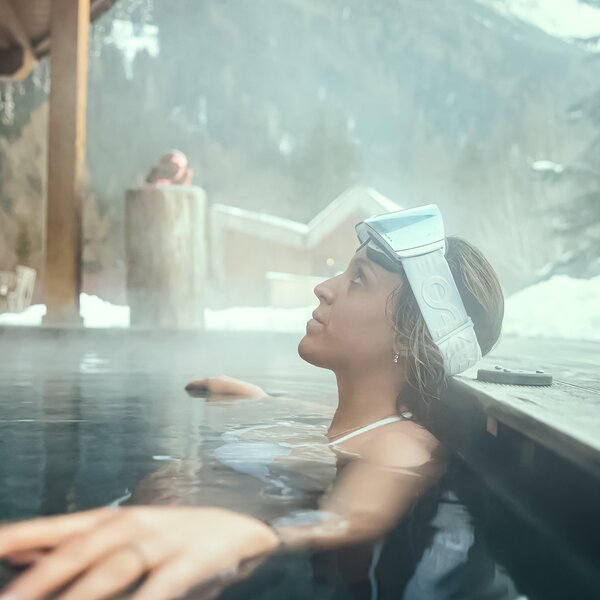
(564, 417)
(571, 361)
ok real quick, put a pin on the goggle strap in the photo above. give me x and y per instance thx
(443, 310)
(456, 331)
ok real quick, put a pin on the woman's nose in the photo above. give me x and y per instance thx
(324, 291)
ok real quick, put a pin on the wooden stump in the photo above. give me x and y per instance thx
(166, 256)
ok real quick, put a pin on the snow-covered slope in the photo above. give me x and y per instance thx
(560, 307)
(568, 19)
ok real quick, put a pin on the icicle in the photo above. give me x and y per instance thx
(7, 104)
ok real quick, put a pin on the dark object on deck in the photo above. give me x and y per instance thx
(514, 377)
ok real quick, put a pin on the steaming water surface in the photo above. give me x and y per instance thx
(72, 442)
(88, 420)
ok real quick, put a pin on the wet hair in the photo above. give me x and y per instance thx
(482, 296)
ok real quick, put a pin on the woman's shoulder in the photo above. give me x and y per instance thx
(404, 445)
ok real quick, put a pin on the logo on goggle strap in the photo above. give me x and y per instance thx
(437, 293)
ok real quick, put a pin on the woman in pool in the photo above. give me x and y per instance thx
(391, 327)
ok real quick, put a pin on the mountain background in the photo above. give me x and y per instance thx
(486, 107)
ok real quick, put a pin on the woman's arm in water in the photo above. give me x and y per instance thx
(226, 386)
(370, 496)
(223, 387)
(99, 553)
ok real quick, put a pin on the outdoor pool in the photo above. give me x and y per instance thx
(95, 419)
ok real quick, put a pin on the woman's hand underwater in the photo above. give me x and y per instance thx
(100, 553)
(226, 386)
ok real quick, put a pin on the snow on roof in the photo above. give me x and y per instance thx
(354, 198)
(132, 39)
(261, 225)
(565, 19)
(547, 165)
(270, 227)
(260, 217)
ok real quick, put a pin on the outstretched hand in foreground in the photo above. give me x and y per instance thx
(99, 553)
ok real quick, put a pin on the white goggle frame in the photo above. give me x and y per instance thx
(414, 239)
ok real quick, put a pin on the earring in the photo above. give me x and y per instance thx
(396, 357)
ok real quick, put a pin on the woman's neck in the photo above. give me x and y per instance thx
(364, 400)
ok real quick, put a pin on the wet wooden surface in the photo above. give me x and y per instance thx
(564, 417)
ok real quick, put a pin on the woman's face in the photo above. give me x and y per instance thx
(351, 327)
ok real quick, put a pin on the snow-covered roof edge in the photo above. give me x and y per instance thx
(260, 217)
(270, 227)
(356, 197)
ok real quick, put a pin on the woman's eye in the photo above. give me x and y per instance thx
(357, 279)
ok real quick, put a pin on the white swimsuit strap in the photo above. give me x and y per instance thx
(364, 429)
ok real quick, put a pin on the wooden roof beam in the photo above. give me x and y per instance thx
(16, 61)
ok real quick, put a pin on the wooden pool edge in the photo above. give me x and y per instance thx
(577, 447)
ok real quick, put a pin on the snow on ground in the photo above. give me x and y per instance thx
(98, 313)
(561, 18)
(95, 312)
(560, 307)
(31, 316)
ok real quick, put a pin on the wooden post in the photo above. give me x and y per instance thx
(66, 160)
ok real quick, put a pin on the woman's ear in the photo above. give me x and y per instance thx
(399, 351)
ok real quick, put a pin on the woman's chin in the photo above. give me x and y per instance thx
(308, 350)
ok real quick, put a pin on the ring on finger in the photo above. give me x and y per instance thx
(139, 551)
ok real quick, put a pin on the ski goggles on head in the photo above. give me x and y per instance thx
(414, 240)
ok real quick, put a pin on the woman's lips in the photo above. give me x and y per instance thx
(317, 318)
(313, 324)
(316, 322)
